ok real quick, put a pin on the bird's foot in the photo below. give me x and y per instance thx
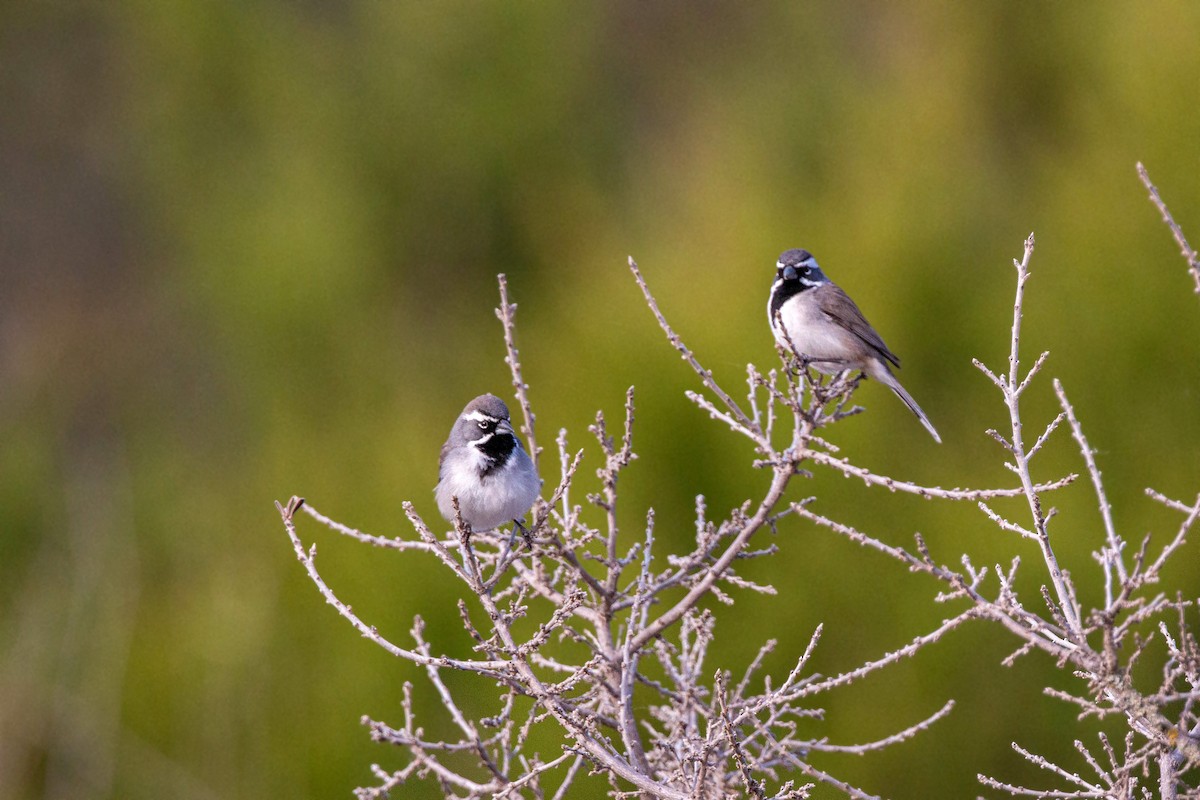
(525, 534)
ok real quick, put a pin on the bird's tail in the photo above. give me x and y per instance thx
(886, 377)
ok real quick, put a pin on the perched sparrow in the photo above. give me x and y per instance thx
(812, 315)
(484, 465)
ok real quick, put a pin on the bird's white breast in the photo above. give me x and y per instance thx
(487, 501)
(814, 334)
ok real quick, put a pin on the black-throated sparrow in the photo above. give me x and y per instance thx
(811, 315)
(484, 465)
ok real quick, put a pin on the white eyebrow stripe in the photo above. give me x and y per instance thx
(479, 416)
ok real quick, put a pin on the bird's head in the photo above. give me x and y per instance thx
(484, 420)
(799, 266)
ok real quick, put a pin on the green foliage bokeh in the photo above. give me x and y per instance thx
(248, 250)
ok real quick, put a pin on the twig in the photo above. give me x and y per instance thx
(717, 570)
(507, 316)
(706, 376)
(1115, 543)
(492, 669)
(1189, 255)
(887, 741)
(927, 492)
(1012, 387)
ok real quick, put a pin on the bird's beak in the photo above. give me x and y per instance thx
(790, 274)
(504, 427)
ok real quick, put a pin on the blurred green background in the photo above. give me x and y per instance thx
(248, 250)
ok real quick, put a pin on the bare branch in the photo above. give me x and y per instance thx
(928, 492)
(706, 376)
(1189, 255)
(492, 669)
(1115, 543)
(507, 315)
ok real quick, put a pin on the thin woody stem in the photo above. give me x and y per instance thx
(1189, 255)
(702, 587)
(507, 315)
(1066, 597)
(706, 376)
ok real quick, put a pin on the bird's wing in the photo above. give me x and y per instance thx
(837, 305)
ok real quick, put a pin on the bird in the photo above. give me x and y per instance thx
(485, 467)
(812, 316)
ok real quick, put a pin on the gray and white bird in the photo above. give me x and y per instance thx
(811, 315)
(484, 465)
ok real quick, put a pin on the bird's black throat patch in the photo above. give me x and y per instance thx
(497, 450)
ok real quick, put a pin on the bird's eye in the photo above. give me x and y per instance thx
(484, 425)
